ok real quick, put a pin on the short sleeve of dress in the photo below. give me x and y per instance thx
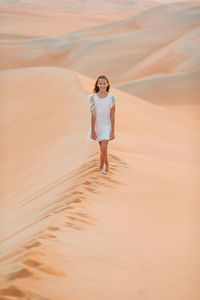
(92, 105)
(113, 100)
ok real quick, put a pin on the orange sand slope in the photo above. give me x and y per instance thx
(130, 234)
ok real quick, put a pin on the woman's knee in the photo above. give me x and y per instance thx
(104, 145)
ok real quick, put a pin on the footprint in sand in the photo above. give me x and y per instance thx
(39, 265)
(92, 190)
(31, 263)
(87, 182)
(63, 208)
(23, 273)
(36, 244)
(71, 225)
(53, 271)
(79, 218)
(15, 293)
(12, 291)
(71, 218)
(70, 207)
(77, 200)
(47, 236)
(59, 210)
(53, 228)
(76, 192)
(87, 217)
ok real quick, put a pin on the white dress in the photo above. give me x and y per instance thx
(100, 108)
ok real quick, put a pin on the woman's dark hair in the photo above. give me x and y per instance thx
(96, 88)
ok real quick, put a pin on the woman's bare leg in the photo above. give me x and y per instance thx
(101, 163)
(103, 156)
(106, 156)
(106, 159)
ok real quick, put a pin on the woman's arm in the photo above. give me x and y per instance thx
(93, 132)
(93, 116)
(92, 123)
(112, 118)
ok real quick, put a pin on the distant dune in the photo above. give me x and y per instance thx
(83, 6)
(179, 92)
(144, 44)
(158, 42)
(23, 23)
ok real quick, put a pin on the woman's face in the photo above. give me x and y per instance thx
(102, 84)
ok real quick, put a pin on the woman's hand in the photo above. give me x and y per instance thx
(112, 135)
(93, 135)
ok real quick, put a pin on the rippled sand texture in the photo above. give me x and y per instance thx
(69, 232)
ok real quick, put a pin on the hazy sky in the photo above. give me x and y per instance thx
(86, 5)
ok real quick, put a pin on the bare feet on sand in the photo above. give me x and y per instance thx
(102, 171)
(107, 168)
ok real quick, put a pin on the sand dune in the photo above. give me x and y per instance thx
(81, 6)
(144, 44)
(53, 18)
(49, 23)
(173, 57)
(69, 232)
(178, 92)
(65, 215)
(139, 53)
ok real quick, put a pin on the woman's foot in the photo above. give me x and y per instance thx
(107, 168)
(102, 171)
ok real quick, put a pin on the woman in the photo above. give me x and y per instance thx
(102, 128)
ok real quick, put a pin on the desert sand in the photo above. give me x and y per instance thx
(69, 232)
